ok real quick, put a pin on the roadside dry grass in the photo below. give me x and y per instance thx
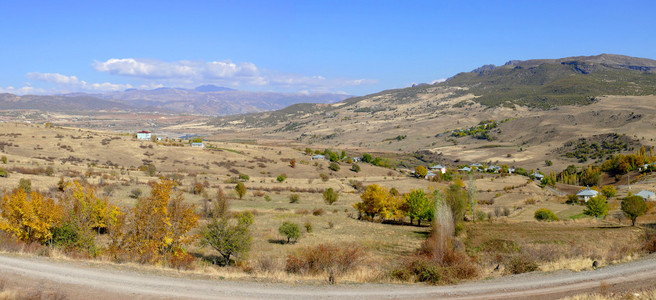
(604, 295)
(573, 244)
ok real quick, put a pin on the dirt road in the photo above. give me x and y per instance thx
(80, 280)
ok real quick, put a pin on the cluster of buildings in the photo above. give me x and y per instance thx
(147, 135)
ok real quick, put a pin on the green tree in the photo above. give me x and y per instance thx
(240, 188)
(290, 230)
(229, 239)
(367, 158)
(421, 171)
(334, 166)
(417, 205)
(596, 206)
(456, 198)
(355, 168)
(609, 191)
(633, 207)
(3, 159)
(330, 196)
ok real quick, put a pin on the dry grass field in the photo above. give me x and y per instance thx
(113, 162)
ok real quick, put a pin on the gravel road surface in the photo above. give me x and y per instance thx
(81, 280)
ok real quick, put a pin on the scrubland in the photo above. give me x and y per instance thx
(337, 242)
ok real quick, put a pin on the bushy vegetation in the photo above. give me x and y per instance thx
(544, 214)
(596, 206)
(330, 260)
(633, 207)
(229, 239)
(290, 230)
(330, 196)
(480, 131)
(598, 147)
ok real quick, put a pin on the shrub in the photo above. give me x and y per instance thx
(267, 198)
(292, 163)
(240, 188)
(290, 230)
(3, 159)
(293, 198)
(334, 166)
(355, 168)
(49, 171)
(521, 264)
(330, 260)
(318, 212)
(544, 214)
(324, 177)
(25, 184)
(3, 173)
(330, 196)
(281, 177)
(244, 177)
(308, 226)
(229, 239)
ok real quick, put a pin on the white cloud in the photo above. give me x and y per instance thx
(20, 91)
(73, 84)
(187, 73)
(52, 78)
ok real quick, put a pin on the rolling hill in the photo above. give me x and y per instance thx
(539, 106)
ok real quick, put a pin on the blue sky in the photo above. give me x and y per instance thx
(355, 47)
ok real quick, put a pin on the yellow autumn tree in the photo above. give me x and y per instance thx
(85, 216)
(378, 201)
(29, 217)
(157, 226)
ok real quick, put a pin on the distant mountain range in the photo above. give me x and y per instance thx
(204, 100)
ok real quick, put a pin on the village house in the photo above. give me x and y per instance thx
(465, 169)
(144, 135)
(318, 156)
(439, 168)
(538, 176)
(198, 145)
(647, 195)
(585, 194)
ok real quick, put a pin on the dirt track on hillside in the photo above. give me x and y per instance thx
(80, 281)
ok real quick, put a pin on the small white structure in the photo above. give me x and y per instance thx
(144, 135)
(539, 177)
(465, 169)
(318, 156)
(198, 145)
(585, 194)
(439, 168)
(647, 195)
(429, 175)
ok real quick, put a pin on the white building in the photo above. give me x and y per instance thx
(144, 135)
